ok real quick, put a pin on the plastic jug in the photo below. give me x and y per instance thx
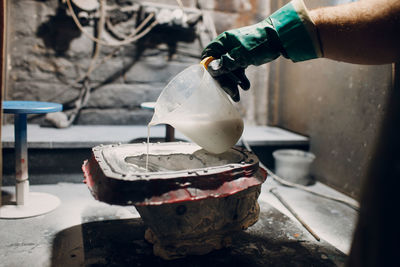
(194, 104)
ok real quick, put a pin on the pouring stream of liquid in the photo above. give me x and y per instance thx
(148, 142)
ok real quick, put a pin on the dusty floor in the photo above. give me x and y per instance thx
(85, 232)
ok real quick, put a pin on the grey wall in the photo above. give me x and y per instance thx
(339, 106)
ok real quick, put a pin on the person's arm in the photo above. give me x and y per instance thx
(289, 32)
(363, 32)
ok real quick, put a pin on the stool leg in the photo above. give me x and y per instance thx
(169, 133)
(21, 159)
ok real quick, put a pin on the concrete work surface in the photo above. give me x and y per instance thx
(85, 232)
(78, 136)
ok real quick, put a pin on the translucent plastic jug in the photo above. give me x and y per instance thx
(194, 104)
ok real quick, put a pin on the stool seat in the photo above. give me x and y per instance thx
(30, 107)
(26, 204)
(148, 105)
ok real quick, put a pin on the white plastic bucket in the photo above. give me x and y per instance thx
(293, 165)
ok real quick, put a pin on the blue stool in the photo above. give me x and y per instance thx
(27, 204)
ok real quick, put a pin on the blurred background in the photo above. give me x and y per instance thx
(52, 56)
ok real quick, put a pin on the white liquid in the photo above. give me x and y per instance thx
(213, 136)
(148, 144)
(147, 152)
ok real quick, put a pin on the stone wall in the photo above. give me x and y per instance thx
(48, 54)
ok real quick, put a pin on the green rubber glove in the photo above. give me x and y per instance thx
(289, 32)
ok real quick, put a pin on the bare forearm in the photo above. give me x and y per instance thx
(363, 32)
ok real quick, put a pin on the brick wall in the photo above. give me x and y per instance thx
(48, 54)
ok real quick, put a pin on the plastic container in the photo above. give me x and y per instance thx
(195, 105)
(293, 165)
